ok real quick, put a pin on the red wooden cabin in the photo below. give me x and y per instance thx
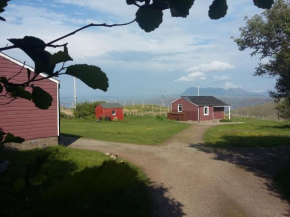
(112, 110)
(197, 108)
(20, 117)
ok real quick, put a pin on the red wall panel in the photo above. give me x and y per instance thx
(107, 112)
(219, 112)
(187, 107)
(21, 117)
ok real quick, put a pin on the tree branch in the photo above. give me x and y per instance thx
(50, 44)
(87, 26)
(18, 72)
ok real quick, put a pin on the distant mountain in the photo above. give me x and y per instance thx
(220, 92)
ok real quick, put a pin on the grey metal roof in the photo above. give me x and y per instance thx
(111, 105)
(205, 100)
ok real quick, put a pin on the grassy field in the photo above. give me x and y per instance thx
(251, 133)
(146, 109)
(136, 130)
(266, 110)
(72, 190)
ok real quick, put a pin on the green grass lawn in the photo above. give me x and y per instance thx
(70, 189)
(136, 130)
(251, 133)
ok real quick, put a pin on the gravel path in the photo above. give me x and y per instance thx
(189, 179)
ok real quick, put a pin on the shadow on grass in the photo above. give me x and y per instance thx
(108, 190)
(264, 162)
(67, 139)
(283, 127)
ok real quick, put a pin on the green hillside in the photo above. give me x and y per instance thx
(266, 110)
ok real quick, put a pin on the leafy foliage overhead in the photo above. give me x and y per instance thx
(60, 57)
(35, 49)
(218, 9)
(3, 4)
(149, 18)
(41, 98)
(268, 35)
(149, 15)
(92, 76)
(265, 4)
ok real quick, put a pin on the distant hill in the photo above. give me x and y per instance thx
(266, 110)
(210, 91)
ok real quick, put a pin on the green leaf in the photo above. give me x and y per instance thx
(180, 8)
(218, 9)
(3, 4)
(37, 180)
(92, 76)
(28, 74)
(20, 92)
(265, 4)
(149, 18)
(34, 48)
(1, 88)
(2, 134)
(11, 138)
(41, 98)
(59, 57)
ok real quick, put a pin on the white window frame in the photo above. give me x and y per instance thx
(114, 112)
(178, 107)
(206, 114)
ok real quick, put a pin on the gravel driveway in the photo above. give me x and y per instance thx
(189, 179)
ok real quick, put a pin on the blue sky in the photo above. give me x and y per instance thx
(179, 54)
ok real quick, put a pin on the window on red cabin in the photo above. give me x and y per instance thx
(206, 110)
(179, 107)
(113, 112)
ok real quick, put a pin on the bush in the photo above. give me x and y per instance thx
(86, 110)
(225, 120)
(64, 115)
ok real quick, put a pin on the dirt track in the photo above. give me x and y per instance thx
(192, 180)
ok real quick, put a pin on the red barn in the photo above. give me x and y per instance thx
(112, 110)
(197, 108)
(20, 117)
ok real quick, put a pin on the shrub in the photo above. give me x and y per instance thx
(225, 120)
(86, 109)
(64, 115)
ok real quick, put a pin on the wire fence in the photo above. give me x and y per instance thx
(256, 117)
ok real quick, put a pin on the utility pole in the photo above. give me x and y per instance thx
(75, 93)
(197, 89)
(163, 92)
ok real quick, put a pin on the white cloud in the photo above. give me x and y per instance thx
(211, 67)
(194, 76)
(221, 78)
(228, 85)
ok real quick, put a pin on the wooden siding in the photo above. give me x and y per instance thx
(203, 117)
(219, 112)
(21, 117)
(188, 107)
(107, 112)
